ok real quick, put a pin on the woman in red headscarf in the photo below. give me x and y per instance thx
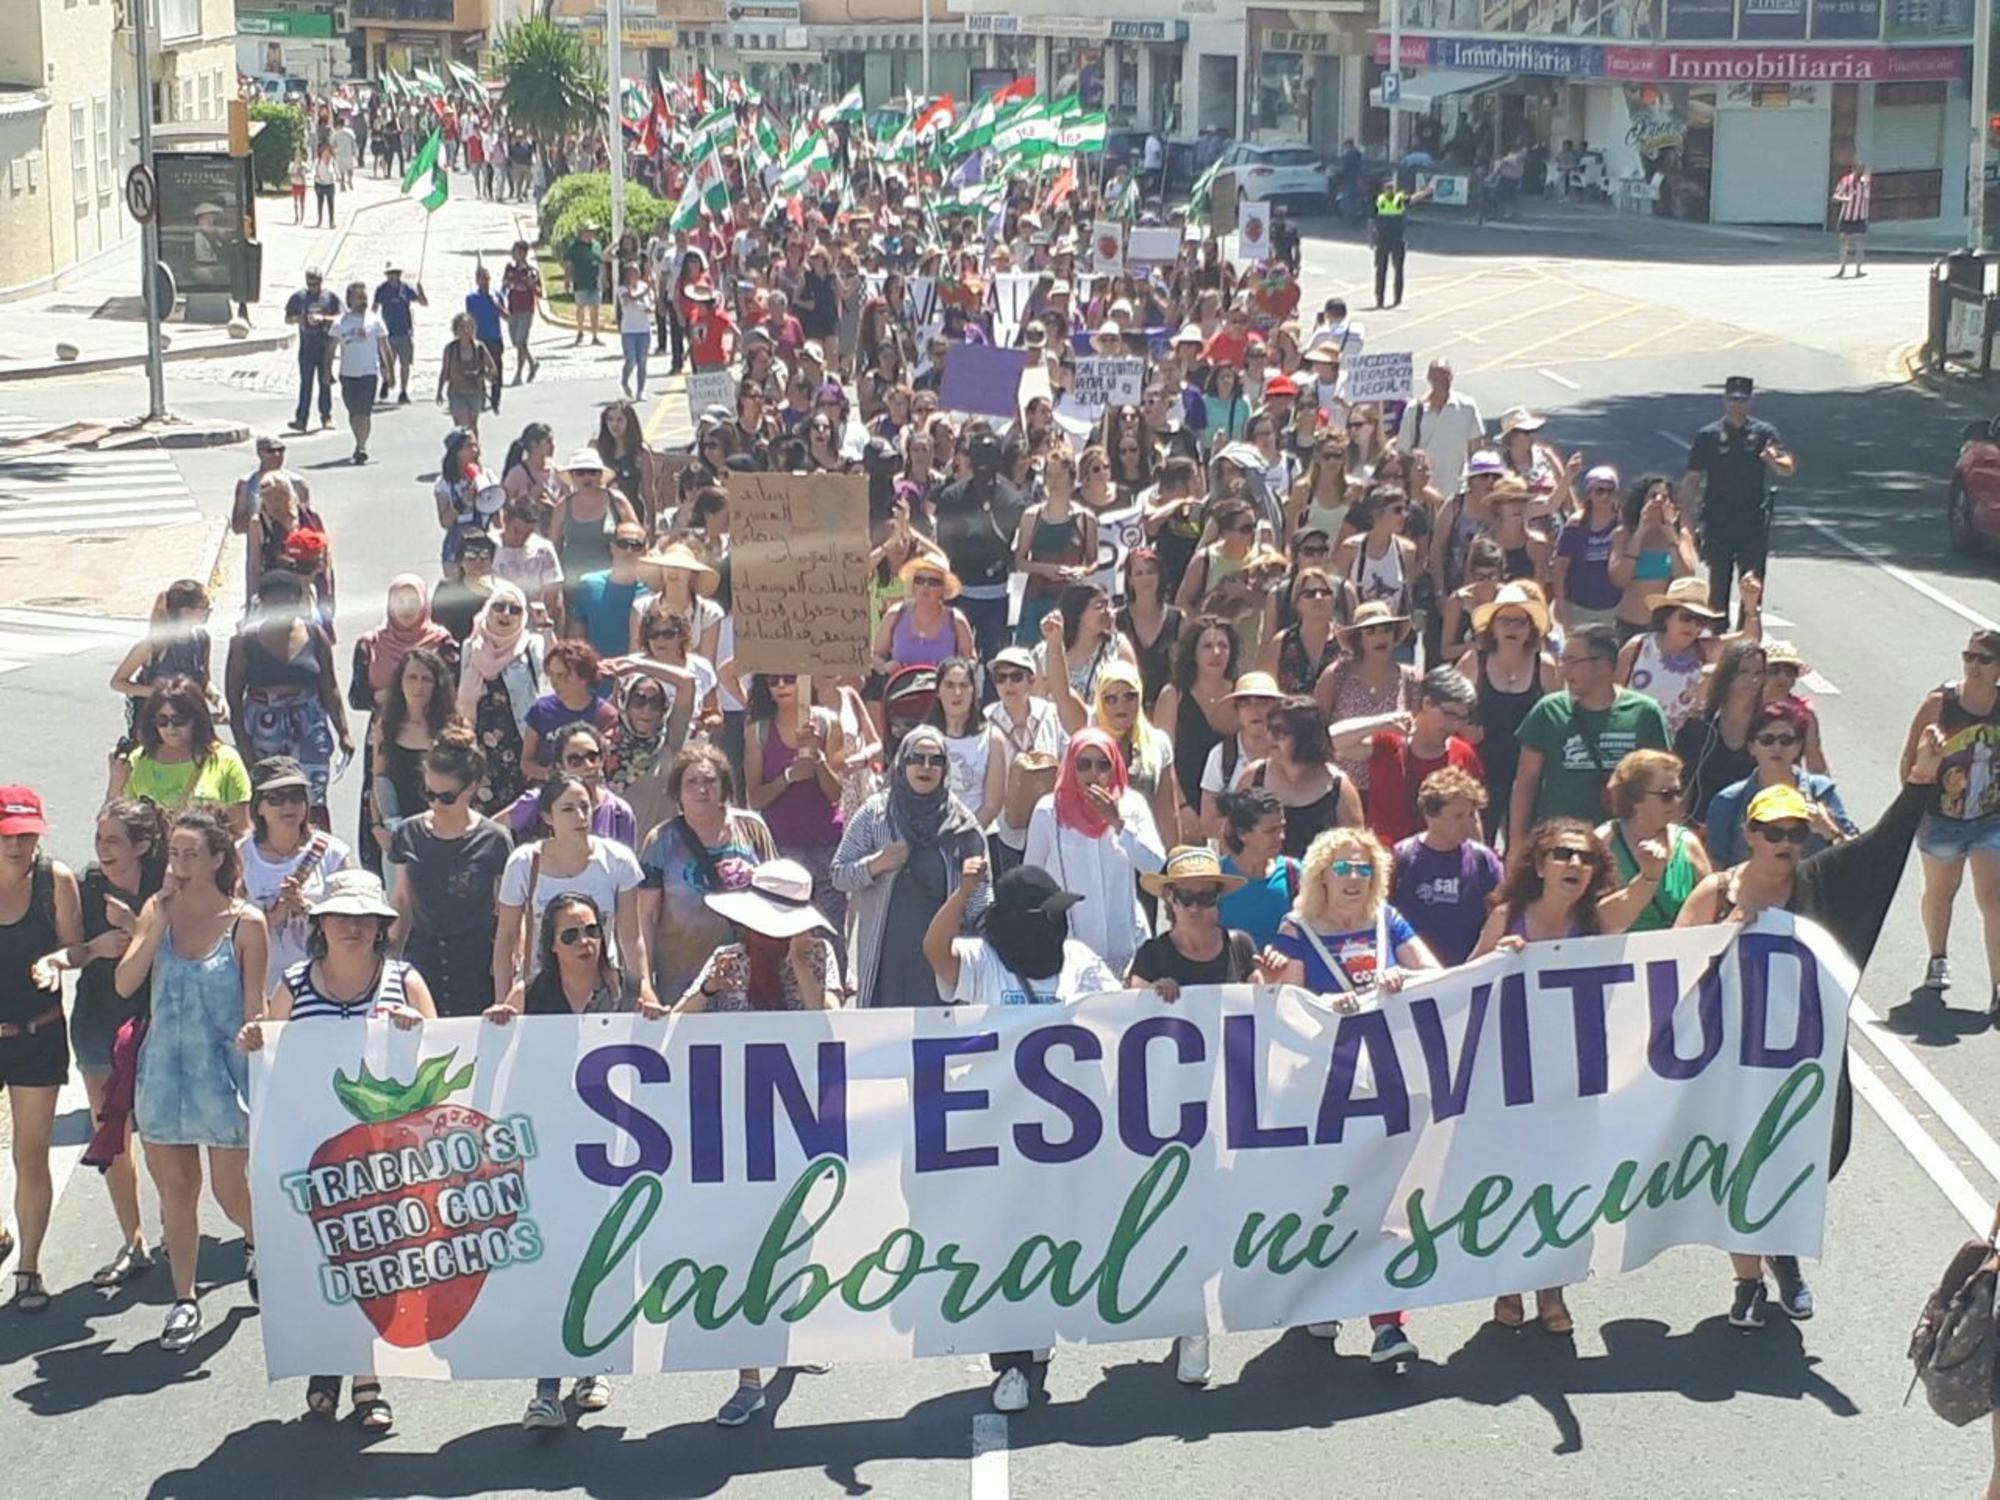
(1096, 835)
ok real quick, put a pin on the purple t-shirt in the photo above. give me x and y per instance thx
(1443, 893)
(1589, 582)
(549, 713)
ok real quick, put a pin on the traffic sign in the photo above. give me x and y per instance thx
(1392, 87)
(142, 194)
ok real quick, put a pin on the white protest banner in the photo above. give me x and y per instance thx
(1107, 247)
(1153, 245)
(1253, 230)
(1034, 386)
(1103, 381)
(602, 1194)
(706, 388)
(1009, 300)
(1380, 377)
(919, 294)
(798, 548)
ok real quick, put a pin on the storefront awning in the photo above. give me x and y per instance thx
(1433, 84)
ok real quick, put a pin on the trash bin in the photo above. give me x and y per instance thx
(246, 271)
(1966, 268)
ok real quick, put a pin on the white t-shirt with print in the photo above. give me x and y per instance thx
(612, 870)
(984, 980)
(534, 568)
(359, 337)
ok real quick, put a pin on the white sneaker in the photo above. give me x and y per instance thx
(544, 1414)
(593, 1393)
(1010, 1391)
(1191, 1359)
(1327, 1331)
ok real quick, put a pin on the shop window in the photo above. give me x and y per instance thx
(1283, 95)
(1909, 127)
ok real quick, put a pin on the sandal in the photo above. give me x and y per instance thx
(370, 1410)
(30, 1296)
(127, 1263)
(1554, 1312)
(323, 1395)
(1508, 1311)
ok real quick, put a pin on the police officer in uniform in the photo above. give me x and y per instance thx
(1727, 489)
(1392, 214)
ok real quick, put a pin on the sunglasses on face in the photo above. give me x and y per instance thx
(1093, 763)
(1199, 900)
(626, 544)
(172, 721)
(504, 609)
(1773, 741)
(1784, 833)
(285, 795)
(928, 581)
(1570, 856)
(1978, 658)
(1315, 593)
(582, 757)
(1009, 674)
(929, 758)
(1672, 793)
(1354, 869)
(584, 932)
(1315, 549)
(439, 798)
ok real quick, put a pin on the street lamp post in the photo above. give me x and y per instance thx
(926, 30)
(149, 232)
(614, 45)
(1982, 64)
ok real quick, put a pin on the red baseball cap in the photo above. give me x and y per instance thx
(1280, 385)
(21, 811)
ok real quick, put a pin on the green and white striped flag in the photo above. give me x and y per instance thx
(1198, 206)
(705, 191)
(812, 154)
(1084, 133)
(426, 180)
(849, 108)
(711, 132)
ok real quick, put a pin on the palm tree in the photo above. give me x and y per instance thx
(551, 85)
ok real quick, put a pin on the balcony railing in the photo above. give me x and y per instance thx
(1611, 20)
(402, 10)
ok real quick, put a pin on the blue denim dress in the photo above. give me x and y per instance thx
(193, 1084)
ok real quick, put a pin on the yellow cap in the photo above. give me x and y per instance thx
(1778, 804)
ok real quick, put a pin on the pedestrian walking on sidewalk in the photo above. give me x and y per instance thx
(363, 344)
(326, 174)
(583, 266)
(313, 311)
(346, 152)
(635, 327)
(521, 289)
(393, 300)
(296, 175)
(1850, 197)
(489, 326)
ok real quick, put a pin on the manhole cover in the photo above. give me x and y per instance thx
(61, 601)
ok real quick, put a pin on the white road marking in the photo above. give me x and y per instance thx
(1941, 1170)
(1820, 685)
(1954, 1116)
(1675, 438)
(1562, 380)
(1775, 621)
(64, 1154)
(1909, 580)
(989, 1456)
(1470, 338)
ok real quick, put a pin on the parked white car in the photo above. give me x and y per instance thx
(1267, 172)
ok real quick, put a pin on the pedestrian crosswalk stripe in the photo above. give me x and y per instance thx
(68, 491)
(31, 635)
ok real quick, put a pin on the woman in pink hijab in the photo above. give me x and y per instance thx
(1096, 835)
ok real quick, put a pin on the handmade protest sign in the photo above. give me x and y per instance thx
(1102, 382)
(1153, 245)
(604, 1194)
(1253, 230)
(798, 572)
(1380, 377)
(1034, 385)
(1107, 247)
(981, 379)
(706, 388)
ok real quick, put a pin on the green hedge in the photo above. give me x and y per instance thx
(272, 148)
(565, 191)
(591, 204)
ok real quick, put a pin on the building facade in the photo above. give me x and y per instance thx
(1726, 111)
(407, 34)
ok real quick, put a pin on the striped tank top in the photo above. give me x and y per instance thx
(308, 1004)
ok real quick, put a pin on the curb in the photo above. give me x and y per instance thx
(256, 344)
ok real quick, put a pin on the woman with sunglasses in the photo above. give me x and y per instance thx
(1777, 743)
(1315, 795)
(1133, 451)
(284, 697)
(1235, 523)
(1368, 688)
(1652, 853)
(577, 973)
(1079, 640)
(1965, 828)
(286, 862)
(1714, 744)
(1321, 503)
(899, 861)
(449, 859)
(1560, 889)
(1378, 560)
(190, 1087)
(1527, 553)
(1343, 941)
(1783, 667)
(1096, 834)
(1149, 755)
(1650, 549)
(653, 725)
(1485, 572)
(793, 757)
(1150, 625)
(1847, 889)
(1055, 545)
(178, 761)
(1581, 576)
(500, 679)
(923, 628)
(345, 973)
(1032, 732)
(1366, 441)
(1307, 648)
(1669, 662)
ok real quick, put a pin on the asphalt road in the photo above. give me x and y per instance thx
(1654, 1394)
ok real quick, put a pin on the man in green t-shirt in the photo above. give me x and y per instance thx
(584, 264)
(1572, 741)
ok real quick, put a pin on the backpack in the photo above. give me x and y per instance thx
(1952, 1344)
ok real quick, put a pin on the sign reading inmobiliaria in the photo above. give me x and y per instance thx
(607, 1194)
(1720, 64)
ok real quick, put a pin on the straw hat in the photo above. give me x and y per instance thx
(586, 461)
(352, 893)
(1690, 594)
(1187, 864)
(777, 903)
(1374, 612)
(1513, 596)
(924, 562)
(1784, 654)
(1255, 685)
(1520, 419)
(681, 555)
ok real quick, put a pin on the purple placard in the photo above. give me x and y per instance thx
(981, 379)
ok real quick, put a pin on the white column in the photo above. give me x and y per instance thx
(1114, 72)
(1144, 119)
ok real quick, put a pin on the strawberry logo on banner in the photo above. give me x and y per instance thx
(415, 1204)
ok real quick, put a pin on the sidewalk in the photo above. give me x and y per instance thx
(103, 317)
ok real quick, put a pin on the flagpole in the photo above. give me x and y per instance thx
(424, 246)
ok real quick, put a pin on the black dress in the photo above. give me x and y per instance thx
(1156, 662)
(1500, 716)
(1194, 737)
